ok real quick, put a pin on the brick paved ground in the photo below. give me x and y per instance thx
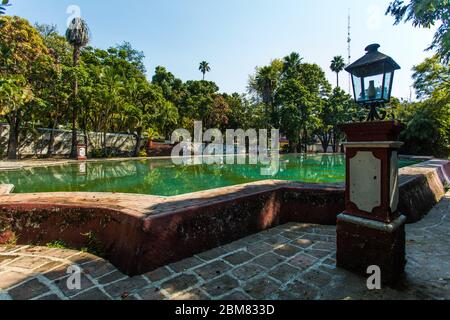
(293, 261)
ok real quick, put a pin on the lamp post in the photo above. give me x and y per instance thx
(371, 230)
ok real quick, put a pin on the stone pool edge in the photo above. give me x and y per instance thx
(139, 233)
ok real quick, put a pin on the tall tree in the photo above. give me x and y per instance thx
(428, 121)
(264, 85)
(292, 64)
(57, 94)
(337, 65)
(431, 76)
(300, 94)
(25, 65)
(425, 14)
(204, 68)
(78, 36)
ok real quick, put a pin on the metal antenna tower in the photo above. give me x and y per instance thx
(349, 48)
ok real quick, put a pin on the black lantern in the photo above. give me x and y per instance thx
(372, 77)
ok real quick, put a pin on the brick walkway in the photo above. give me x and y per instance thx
(293, 261)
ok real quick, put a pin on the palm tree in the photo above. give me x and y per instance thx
(292, 62)
(3, 5)
(78, 36)
(265, 83)
(337, 65)
(204, 68)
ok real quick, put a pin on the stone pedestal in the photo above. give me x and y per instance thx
(81, 152)
(371, 230)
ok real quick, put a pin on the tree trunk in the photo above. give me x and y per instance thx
(137, 147)
(305, 139)
(325, 141)
(73, 152)
(51, 140)
(337, 79)
(104, 143)
(13, 140)
(335, 141)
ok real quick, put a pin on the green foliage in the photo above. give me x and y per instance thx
(26, 67)
(427, 131)
(3, 5)
(57, 244)
(204, 68)
(428, 121)
(337, 66)
(431, 76)
(77, 33)
(93, 245)
(425, 14)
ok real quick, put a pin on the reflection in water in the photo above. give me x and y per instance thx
(162, 177)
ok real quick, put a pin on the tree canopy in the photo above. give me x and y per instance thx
(426, 13)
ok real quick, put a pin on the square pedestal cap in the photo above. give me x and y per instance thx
(373, 131)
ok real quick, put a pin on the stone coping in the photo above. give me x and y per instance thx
(148, 205)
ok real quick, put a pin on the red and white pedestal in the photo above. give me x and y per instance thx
(371, 230)
(81, 152)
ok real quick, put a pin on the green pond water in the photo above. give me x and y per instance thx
(163, 178)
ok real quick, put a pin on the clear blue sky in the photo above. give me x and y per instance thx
(235, 36)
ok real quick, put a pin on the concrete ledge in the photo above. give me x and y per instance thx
(422, 186)
(6, 189)
(386, 227)
(139, 233)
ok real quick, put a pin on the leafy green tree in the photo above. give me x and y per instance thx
(337, 109)
(427, 128)
(426, 13)
(431, 76)
(428, 121)
(337, 65)
(174, 89)
(204, 68)
(295, 104)
(78, 36)
(25, 63)
(58, 91)
(241, 111)
(263, 86)
(305, 89)
(292, 64)
(197, 102)
(218, 115)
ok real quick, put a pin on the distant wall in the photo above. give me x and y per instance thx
(36, 143)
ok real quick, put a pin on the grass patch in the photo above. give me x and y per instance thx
(57, 245)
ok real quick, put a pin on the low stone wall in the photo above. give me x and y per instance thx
(421, 187)
(139, 233)
(36, 143)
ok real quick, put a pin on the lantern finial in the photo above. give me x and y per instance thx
(372, 48)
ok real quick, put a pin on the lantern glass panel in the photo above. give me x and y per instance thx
(373, 87)
(387, 86)
(358, 88)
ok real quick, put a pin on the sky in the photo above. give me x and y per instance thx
(236, 36)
